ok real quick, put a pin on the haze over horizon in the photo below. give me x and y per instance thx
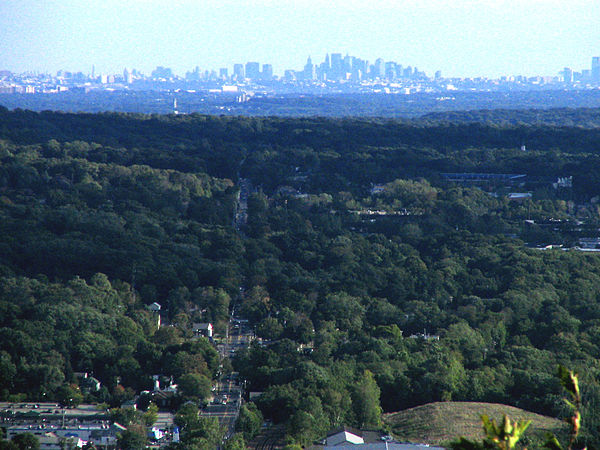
(459, 37)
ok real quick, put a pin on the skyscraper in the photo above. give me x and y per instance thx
(127, 77)
(567, 75)
(267, 72)
(238, 71)
(596, 69)
(390, 70)
(347, 64)
(253, 70)
(309, 70)
(336, 66)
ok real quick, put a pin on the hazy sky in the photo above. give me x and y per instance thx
(460, 37)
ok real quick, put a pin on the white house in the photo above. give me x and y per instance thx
(343, 436)
(202, 329)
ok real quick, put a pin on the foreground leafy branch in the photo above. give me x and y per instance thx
(570, 383)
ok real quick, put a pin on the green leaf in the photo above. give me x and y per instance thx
(466, 444)
(569, 381)
(552, 443)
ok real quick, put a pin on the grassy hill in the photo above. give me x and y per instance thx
(439, 423)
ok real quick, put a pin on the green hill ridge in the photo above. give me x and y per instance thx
(441, 422)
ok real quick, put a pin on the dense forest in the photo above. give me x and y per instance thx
(334, 101)
(375, 281)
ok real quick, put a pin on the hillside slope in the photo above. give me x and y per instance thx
(439, 423)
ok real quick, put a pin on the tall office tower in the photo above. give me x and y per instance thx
(238, 71)
(309, 70)
(438, 74)
(390, 70)
(327, 63)
(127, 76)
(586, 74)
(379, 68)
(93, 72)
(399, 71)
(336, 66)
(347, 64)
(267, 72)
(253, 70)
(359, 69)
(596, 69)
(289, 75)
(194, 75)
(408, 72)
(223, 73)
(567, 75)
(162, 72)
(322, 71)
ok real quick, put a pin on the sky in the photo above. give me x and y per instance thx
(461, 38)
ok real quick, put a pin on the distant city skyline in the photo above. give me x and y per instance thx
(462, 38)
(335, 66)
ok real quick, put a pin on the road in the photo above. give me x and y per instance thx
(228, 391)
(241, 211)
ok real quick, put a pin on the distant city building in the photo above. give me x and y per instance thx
(309, 70)
(289, 75)
(596, 69)
(335, 73)
(379, 68)
(162, 72)
(390, 70)
(223, 73)
(347, 64)
(267, 72)
(253, 70)
(586, 75)
(127, 76)
(238, 71)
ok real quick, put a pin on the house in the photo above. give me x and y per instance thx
(343, 436)
(202, 329)
(425, 336)
(519, 196)
(351, 439)
(377, 189)
(589, 243)
(129, 404)
(90, 384)
(156, 433)
(164, 399)
(87, 382)
(154, 307)
(382, 446)
(563, 182)
(253, 395)
(54, 436)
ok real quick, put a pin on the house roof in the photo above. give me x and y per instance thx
(344, 435)
(382, 446)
